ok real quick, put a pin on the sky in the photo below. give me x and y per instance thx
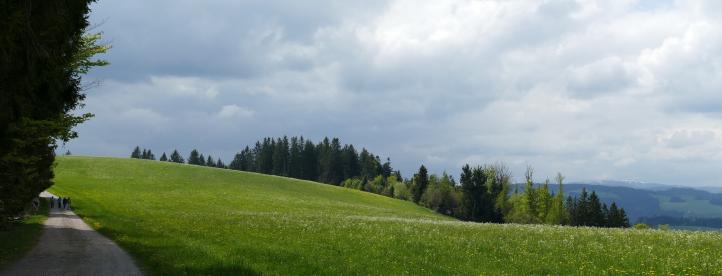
(596, 90)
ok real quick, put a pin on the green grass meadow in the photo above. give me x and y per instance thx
(182, 219)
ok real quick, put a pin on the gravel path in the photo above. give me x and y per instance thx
(68, 246)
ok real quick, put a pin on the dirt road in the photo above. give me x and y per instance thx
(68, 246)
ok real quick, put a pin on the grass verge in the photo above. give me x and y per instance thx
(17, 240)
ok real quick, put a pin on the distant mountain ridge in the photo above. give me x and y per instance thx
(653, 202)
(648, 185)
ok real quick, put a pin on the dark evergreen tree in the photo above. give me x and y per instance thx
(294, 157)
(386, 168)
(68, 153)
(335, 169)
(264, 156)
(613, 216)
(163, 157)
(220, 164)
(477, 201)
(625, 219)
(209, 161)
(136, 153)
(194, 158)
(176, 157)
(571, 210)
(350, 159)
(43, 55)
(201, 160)
(144, 155)
(421, 181)
(595, 213)
(309, 161)
(280, 157)
(370, 166)
(150, 155)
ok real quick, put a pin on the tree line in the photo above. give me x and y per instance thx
(327, 161)
(483, 193)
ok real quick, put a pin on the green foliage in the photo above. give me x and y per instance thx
(136, 153)
(441, 195)
(420, 182)
(641, 226)
(401, 191)
(194, 158)
(663, 227)
(557, 213)
(544, 201)
(242, 223)
(43, 53)
(328, 161)
(175, 157)
(353, 183)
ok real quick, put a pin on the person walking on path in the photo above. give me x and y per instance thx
(68, 246)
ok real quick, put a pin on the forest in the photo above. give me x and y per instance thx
(482, 194)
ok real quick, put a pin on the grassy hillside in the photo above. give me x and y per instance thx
(178, 219)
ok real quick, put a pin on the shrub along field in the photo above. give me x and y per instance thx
(177, 219)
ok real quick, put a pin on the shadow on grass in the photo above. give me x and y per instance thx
(21, 236)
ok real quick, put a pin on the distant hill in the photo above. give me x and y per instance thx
(657, 203)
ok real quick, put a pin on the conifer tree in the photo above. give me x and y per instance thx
(163, 157)
(572, 212)
(350, 160)
(309, 161)
(201, 160)
(43, 56)
(176, 157)
(150, 155)
(210, 162)
(280, 157)
(136, 153)
(294, 157)
(421, 181)
(595, 212)
(220, 164)
(583, 209)
(624, 218)
(144, 155)
(194, 158)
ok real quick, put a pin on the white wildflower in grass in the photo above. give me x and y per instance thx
(237, 223)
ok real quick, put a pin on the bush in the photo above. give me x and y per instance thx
(641, 226)
(663, 227)
(401, 191)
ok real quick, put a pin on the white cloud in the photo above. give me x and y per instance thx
(594, 89)
(234, 111)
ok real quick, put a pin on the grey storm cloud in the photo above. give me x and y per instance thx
(594, 89)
